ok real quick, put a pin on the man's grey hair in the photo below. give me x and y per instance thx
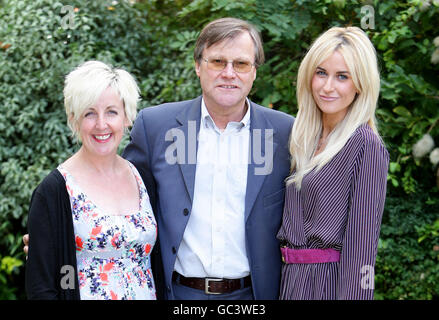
(228, 28)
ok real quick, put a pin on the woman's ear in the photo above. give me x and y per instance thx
(126, 122)
(74, 123)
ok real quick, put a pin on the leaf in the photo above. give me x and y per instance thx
(402, 111)
(394, 167)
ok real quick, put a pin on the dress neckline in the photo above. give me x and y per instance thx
(100, 211)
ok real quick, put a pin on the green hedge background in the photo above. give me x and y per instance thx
(42, 40)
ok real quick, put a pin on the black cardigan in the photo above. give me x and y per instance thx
(52, 241)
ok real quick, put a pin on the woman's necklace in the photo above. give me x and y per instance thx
(320, 145)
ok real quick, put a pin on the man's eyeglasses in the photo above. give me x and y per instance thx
(241, 66)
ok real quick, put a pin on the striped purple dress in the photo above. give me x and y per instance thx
(339, 207)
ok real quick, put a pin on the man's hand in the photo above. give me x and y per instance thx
(26, 244)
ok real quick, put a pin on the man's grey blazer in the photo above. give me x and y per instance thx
(163, 145)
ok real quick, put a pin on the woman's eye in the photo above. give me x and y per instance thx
(321, 73)
(342, 77)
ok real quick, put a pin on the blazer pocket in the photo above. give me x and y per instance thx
(274, 198)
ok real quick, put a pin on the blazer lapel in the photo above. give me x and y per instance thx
(261, 154)
(189, 119)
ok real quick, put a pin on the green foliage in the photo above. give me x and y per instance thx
(407, 264)
(428, 231)
(410, 99)
(172, 77)
(154, 40)
(8, 267)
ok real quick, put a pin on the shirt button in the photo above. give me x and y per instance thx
(185, 211)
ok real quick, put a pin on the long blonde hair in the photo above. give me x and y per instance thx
(360, 57)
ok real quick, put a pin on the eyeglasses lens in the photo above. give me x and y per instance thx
(241, 66)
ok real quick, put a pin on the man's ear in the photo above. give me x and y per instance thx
(197, 68)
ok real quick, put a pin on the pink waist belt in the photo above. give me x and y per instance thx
(309, 255)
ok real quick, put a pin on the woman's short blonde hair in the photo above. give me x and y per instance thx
(85, 84)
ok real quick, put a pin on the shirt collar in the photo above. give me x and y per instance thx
(206, 119)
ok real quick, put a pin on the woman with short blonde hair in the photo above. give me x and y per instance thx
(91, 224)
(336, 191)
(85, 84)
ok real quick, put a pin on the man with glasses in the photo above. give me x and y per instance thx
(217, 215)
(217, 164)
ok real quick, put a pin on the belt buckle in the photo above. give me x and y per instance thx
(283, 258)
(206, 285)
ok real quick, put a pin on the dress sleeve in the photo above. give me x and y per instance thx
(41, 262)
(368, 193)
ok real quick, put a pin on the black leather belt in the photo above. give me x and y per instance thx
(213, 285)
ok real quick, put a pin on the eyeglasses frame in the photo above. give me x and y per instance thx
(229, 61)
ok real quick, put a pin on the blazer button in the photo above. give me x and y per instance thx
(174, 251)
(185, 211)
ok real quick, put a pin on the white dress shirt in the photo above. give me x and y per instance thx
(213, 243)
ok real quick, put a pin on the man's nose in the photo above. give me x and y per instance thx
(228, 70)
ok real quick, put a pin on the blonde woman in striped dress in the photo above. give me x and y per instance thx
(336, 191)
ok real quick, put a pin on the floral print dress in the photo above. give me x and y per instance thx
(113, 251)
